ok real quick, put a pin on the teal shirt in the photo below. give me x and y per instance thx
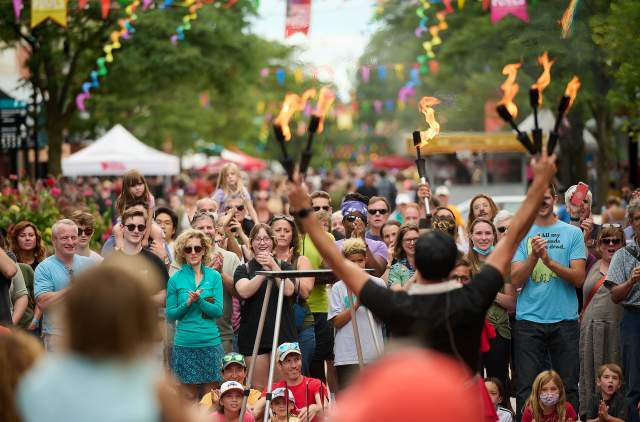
(196, 322)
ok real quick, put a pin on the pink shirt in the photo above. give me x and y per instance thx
(219, 417)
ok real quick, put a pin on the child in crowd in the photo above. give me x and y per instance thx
(496, 392)
(230, 404)
(346, 357)
(548, 400)
(281, 411)
(135, 191)
(608, 403)
(229, 184)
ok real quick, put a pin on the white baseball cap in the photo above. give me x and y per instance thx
(403, 198)
(280, 392)
(442, 190)
(230, 385)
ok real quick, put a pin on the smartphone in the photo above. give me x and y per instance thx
(580, 194)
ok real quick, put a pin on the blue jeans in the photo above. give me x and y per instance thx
(534, 343)
(307, 341)
(630, 350)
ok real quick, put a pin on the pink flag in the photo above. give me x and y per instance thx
(298, 17)
(17, 8)
(501, 8)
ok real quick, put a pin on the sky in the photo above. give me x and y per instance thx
(338, 35)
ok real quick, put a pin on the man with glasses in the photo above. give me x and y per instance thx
(53, 276)
(623, 280)
(378, 215)
(234, 368)
(241, 208)
(311, 394)
(86, 225)
(225, 263)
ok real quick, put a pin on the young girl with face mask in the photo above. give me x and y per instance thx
(548, 401)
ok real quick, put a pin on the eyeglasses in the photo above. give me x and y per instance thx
(132, 227)
(189, 249)
(350, 218)
(610, 241)
(325, 208)
(412, 240)
(502, 229)
(237, 207)
(87, 231)
(234, 357)
(380, 211)
(611, 226)
(285, 347)
(262, 240)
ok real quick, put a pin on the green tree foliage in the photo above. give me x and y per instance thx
(153, 87)
(474, 51)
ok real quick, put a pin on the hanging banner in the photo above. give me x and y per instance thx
(298, 17)
(501, 8)
(56, 10)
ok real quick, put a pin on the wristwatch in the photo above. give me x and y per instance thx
(302, 213)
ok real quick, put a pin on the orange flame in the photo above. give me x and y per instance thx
(425, 107)
(510, 88)
(289, 107)
(572, 89)
(309, 93)
(326, 97)
(545, 79)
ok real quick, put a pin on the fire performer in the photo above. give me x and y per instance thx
(444, 315)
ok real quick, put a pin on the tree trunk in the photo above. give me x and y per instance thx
(573, 165)
(55, 137)
(604, 136)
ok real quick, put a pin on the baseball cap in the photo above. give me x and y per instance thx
(286, 349)
(280, 392)
(230, 358)
(442, 190)
(403, 198)
(230, 385)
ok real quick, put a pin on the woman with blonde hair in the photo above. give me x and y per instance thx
(18, 352)
(195, 300)
(229, 184)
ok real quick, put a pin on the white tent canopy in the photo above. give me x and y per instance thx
(117, 152)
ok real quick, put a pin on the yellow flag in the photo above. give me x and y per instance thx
(42, 10)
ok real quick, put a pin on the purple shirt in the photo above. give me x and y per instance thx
(376, 247)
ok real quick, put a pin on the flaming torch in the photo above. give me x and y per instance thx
(283, 132)
(422, 138)
(326, 97)
(565, 103)
(507, 109)
(535, 97)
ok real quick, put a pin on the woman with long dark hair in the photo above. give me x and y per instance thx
(26, 243)
(403, 272)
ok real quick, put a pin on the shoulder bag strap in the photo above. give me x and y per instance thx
(592, 293)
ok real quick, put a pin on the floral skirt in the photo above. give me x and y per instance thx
(197, 365)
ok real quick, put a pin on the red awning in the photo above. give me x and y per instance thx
(392, 162)
(244, 161)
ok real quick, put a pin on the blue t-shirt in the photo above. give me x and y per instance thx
(52, 276)
(546, 298)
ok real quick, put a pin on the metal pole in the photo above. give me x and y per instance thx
(256, 347)
(354, 325)
(274, 349)
(374, 332)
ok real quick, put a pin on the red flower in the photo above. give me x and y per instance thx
(51, 182)
(55, 192)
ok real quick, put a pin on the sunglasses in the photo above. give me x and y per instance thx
(189, 249)
(132, 227)
(284, 217)
(285, 347)
(502, 229)
(234, 357)
(611, 226)
(610, 241)
(325, 208)
(380, 211)
(237, 207)
(87, 231)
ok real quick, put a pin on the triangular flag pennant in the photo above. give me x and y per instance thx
(501, 8)
(56, 10)
(104, 6)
